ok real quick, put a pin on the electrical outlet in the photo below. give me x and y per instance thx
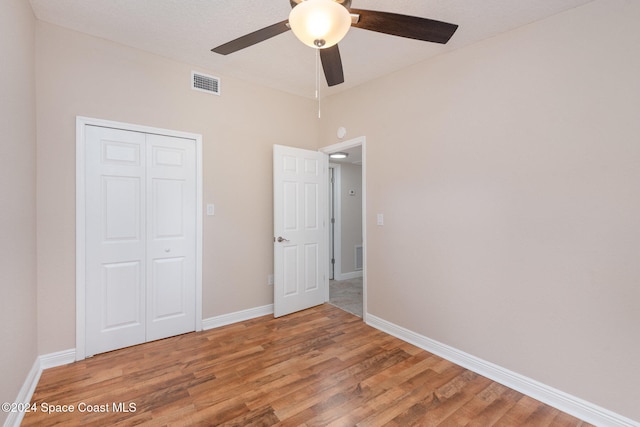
(270, 280)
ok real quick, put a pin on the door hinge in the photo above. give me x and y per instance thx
(333, 260)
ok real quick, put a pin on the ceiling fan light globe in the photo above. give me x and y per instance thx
(319, 23)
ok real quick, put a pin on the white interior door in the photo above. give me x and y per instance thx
(140, 227)
(300, 227)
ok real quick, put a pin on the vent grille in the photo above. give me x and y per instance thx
(359, 257)
(205, 83)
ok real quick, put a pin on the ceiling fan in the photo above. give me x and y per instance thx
(323, 23)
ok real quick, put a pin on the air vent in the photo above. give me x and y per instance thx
(359, 257)
(205, 83)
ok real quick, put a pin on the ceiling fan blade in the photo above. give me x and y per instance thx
(252, 38)
(411, 27)
(332, 65)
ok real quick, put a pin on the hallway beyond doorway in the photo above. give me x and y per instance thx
(347, 295)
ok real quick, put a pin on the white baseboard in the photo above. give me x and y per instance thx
(58, 358)
(24, 395)
(575, 406)
(349, 275)
(41, 363)
(238, 316)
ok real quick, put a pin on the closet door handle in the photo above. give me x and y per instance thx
(282, 239)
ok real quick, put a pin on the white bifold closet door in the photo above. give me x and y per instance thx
(140, 237)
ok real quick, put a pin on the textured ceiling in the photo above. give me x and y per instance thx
(186, 30)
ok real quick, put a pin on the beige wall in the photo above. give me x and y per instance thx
(17, 198)
(512, 216)
(351, 214)
(508, 174)
(82, 75)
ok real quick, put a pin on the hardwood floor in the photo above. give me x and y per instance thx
(318, 367)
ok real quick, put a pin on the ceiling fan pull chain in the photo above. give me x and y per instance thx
(318, 79)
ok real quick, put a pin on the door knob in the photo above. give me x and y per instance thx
(282, 239)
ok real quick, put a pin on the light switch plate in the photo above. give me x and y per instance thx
(380, 219)
(210, 209)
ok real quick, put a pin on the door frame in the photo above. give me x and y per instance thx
(334, 198)
(341, 146)
(81, 123)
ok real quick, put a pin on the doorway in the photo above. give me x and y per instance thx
(347, 231)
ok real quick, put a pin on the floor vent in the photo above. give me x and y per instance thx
(205, 83)
(358, 257)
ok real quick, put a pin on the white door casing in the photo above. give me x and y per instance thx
(343, 146)
(300, 229)
(139, 228)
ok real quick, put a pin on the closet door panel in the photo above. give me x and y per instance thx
(140, 256)
(115, 239)
(171, 229)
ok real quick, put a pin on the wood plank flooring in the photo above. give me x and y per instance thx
(318, 367)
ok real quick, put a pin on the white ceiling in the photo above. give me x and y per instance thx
(186, 30)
